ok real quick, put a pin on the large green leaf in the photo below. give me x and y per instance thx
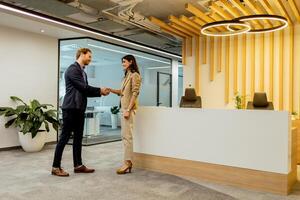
(47, 126)
(20, 108)
(10, 122)
(51, 113)
(14, 98)
(34, 104)
(3, 110)
(10, 112)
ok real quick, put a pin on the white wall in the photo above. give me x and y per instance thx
(28, 70)
(213, 92)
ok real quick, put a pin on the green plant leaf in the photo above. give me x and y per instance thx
(47, 126)
(10, 122)
(51, 113)
(10, 112)
(34, 104)
(14, 98)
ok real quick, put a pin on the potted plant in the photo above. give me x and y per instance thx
(114, 116)
(240, 101)
(30, 118)
(294, 115)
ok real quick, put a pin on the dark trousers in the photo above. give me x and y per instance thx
(73, 121)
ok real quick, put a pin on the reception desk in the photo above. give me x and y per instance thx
(252, 149)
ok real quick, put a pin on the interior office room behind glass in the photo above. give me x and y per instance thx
(102, 118)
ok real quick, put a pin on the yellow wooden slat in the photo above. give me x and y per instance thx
(220, 11)
(280, 79)
(220, 58)
(181, 29)
(204, 55)
(267, 6)
(244, 10)
(190, 46)
(271, 76)
(197, 66)
(227, 55)
(235, 65)
(230, 9)
(190, 22)
(244, 79)
(282, 10)
(184, 25)
(253, 57)
(212, 58)
(257, 10)
(291, 70)
(262, 63)
(183, 51)
(191, 8)
(294, 9)
(167, 28)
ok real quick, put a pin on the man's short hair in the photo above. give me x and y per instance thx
(82, 51)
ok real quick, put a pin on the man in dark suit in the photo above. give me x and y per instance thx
(73, 109)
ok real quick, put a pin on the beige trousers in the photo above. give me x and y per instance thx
(127, 131)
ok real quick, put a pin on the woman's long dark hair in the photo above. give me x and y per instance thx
(133, 66)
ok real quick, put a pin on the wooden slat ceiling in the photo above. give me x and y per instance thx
(183, 26)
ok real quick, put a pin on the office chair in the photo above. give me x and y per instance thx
(190, 100)
(260, 102)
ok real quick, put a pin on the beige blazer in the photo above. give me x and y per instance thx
(131, 85)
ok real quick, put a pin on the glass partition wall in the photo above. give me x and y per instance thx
(105, 70)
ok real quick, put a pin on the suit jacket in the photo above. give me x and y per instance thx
(131, 85)
(77, 88)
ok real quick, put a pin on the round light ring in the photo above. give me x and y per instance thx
(283, 20)
(246, 28)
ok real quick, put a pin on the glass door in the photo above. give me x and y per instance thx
(164, 89)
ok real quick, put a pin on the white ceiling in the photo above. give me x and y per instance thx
(35, 26)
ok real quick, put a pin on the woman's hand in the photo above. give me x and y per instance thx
(126, 114)
(117, 92)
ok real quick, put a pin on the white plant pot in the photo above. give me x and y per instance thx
(30, 144)
(114, 121)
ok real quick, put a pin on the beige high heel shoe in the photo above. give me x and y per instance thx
(126, 168)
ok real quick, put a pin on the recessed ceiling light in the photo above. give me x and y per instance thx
(42, 30)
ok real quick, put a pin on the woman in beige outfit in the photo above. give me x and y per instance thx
(129, 92)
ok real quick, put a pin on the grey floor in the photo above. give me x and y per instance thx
(27, 176)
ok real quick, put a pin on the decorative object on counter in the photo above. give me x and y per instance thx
(114, 116)
(240, 101)
(30, 118)
(294, 115)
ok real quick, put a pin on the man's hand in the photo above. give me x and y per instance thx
(105, 91)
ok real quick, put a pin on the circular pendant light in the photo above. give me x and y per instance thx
(283, 22)
(245, 27)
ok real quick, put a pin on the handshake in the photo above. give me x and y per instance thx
(105, 91)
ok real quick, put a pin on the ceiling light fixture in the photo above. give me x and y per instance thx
(244, 25)
(275, 18)
(226, 23)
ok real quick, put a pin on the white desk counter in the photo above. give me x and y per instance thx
(230, 141)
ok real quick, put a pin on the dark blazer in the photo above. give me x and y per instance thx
(77, 88)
